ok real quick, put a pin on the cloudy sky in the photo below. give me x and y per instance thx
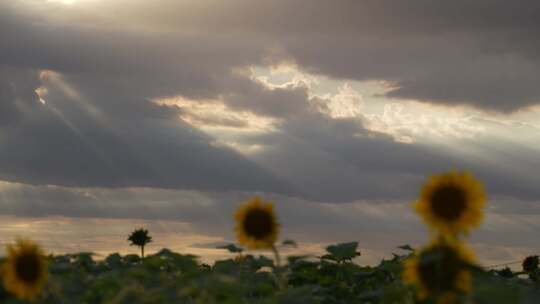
(170, 113)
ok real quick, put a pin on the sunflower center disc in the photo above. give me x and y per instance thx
(448, 202)
(258, 224)
(28, 267)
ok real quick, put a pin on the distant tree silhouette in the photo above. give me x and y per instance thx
(140, 238)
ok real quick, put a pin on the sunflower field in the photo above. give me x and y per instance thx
(168, 277)
(444, 271)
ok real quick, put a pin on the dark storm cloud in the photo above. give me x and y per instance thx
(8, 108)
(117, 139)
(482, 53)
(339, 160)
(104, 131)
(98, 131)
(479, 52)
(116, 55)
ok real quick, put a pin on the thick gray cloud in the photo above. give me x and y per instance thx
(482, 53)
(17, 93)
(113, 138)
(8, 108)
(103, 130)
(339, 160)
(109, 151)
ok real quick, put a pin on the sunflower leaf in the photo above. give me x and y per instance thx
(342, 252)
(406, 247)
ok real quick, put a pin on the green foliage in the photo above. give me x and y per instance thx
(231, 248)
(169, 277)
(406, 247)
(342, 252)
(530, 267)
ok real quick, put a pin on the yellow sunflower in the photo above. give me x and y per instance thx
(24, 270)
(256, 224)
(452, 202)
(440, 271)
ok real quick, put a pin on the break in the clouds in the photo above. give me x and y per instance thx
(312, 104)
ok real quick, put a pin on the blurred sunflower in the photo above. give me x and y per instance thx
(530, 263)
(256, 224)
(24, 270)
(440, 271)
(452, 202)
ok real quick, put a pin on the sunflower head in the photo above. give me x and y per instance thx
(440, 272)
(530, 264)
(452, 202)
(25, 269)
(256, 224)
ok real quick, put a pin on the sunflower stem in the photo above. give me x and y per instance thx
(276, 256)
(282, 284)
(240, 258)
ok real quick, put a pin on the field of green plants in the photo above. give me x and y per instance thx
(168, 277)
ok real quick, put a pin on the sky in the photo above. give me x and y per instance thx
(169, 114)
